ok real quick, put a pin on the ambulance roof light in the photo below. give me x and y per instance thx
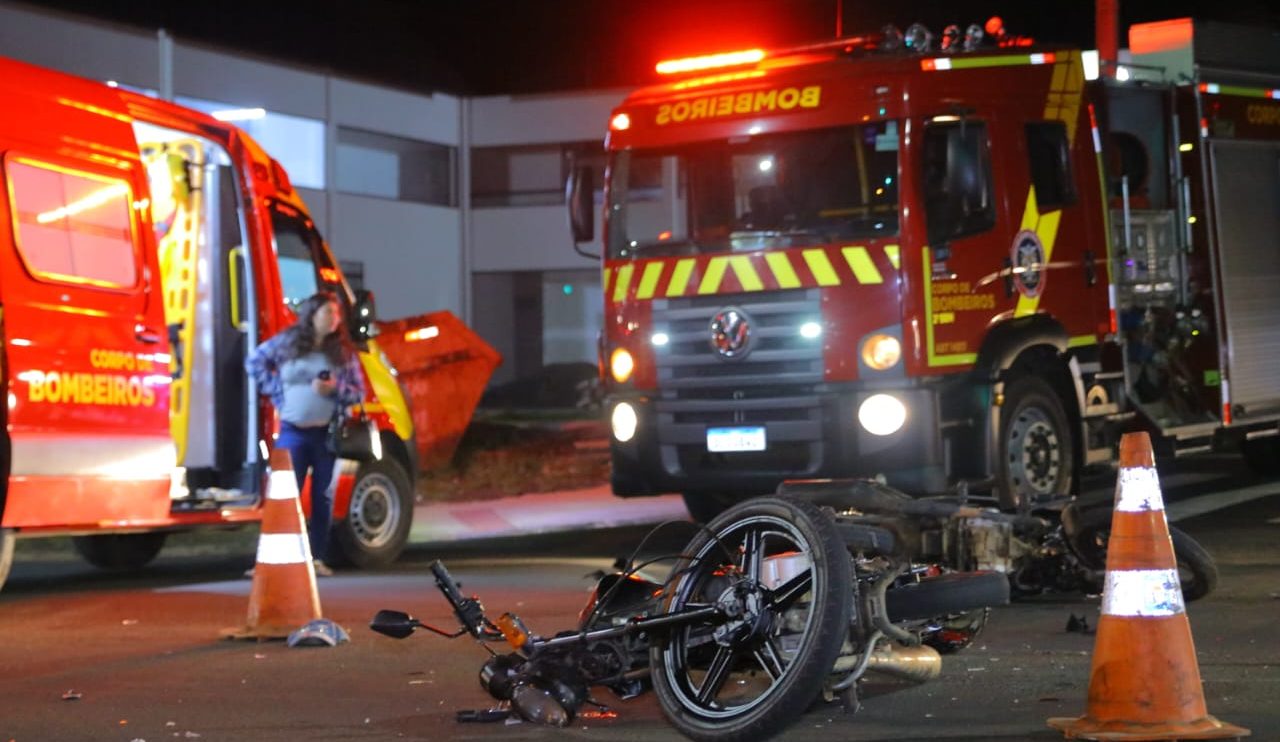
(710, 61)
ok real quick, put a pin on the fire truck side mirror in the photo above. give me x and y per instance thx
(580, 196)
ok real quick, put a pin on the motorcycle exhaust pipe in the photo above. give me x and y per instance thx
(917, 664)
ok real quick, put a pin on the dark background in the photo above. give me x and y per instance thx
(484, 47)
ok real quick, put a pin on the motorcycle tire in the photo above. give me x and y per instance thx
(1197, 570)
(946, 595)
(809, 617)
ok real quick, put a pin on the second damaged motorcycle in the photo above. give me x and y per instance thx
(776, 603)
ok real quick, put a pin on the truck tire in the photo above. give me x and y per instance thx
(7, 538)
(1037, 461)
(377, 524)
(1262, 455)
(120, 551)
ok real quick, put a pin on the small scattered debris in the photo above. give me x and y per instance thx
(977, 669)
(171, 723)
(259, 656)
(191, 735)
(1049, 699)
(72, 695)
(1078, 625)
(129, 622)
(419, 682)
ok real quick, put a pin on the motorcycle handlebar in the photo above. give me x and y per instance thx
(468, 610)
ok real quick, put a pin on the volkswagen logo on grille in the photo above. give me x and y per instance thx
(731, 332)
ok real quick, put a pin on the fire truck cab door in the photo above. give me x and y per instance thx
(85, 350)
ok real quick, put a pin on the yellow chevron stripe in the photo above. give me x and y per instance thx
(821, 267)
(714, 275)
(863, 268)
(624, 282)
(783, 273)
(608, 273)
(680, 277)
(649, 281)
(746, 273)
(1031, 213)
(891, 252)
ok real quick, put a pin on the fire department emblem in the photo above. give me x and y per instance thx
(731, 332)
(1028, 263)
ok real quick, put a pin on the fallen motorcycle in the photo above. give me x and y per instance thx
(776, 603)
(1056, 548)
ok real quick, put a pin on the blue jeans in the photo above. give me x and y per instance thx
(308, 448)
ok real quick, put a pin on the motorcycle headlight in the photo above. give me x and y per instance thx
(881, 352)
(882, 414)
(621, 364)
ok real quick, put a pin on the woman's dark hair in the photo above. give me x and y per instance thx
(302, 335)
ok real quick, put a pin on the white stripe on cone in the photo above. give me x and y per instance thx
(1139, 490)
(284, 486)
(1143, 592)
(283, 548)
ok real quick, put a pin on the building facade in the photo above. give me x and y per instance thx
(432, 201)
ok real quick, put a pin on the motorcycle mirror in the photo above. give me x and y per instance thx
(394, 624)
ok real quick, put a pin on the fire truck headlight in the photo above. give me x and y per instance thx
(881, 352)
(621, 364)
(881, 414)
(624, 422)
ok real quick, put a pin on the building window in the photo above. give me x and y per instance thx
(531, 175)
(295, 142)
(1050, 157)
(72, 227)
(372, 164)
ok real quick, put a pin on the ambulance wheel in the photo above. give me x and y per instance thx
(377, 524)
(6, 553)
(119, 550)
(1036, 458)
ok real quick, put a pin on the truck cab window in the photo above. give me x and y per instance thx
(957, 180)
(1050, 161)
(304, 265)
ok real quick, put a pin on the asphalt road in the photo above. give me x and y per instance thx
(91, 656)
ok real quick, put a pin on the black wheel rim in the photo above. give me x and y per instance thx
(724, 671)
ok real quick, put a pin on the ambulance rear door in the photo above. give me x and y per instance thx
(86, 353)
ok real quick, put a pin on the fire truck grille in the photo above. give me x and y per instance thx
(771, 385)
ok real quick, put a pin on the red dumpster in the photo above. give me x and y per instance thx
(444, 368)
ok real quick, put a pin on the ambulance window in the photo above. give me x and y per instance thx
(1050, 159)
(297, 248)
(73, 227)
(957, 180)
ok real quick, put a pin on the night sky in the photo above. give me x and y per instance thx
(485, 47)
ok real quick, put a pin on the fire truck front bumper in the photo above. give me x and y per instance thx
(748, 447)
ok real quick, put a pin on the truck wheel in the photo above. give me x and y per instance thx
(120, 551)
(1262, 455)
(1036, 457)
(6, 553)
(377, 524)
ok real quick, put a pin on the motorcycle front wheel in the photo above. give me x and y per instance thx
(782, 577)
(1197, 571)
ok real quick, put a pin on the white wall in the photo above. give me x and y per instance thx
(539, 119)
(433, 118)
(95, 50)
(203, 73)
(411, 254)
(526, 238)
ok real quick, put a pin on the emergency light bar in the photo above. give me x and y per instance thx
(710, 61)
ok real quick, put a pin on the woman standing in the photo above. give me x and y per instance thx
(311, 372)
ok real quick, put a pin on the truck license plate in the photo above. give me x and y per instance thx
(722, 440)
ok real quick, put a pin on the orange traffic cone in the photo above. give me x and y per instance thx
(1145, 681)
(284, 595)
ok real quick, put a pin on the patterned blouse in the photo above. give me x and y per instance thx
(263, 364)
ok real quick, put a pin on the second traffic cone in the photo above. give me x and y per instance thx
(284, 595)
(1145, 680)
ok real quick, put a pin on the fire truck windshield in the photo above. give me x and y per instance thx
(752, 193)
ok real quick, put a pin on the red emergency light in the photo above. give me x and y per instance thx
(710, 61)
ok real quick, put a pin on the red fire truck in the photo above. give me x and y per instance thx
(940, 260)
(149, 248)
